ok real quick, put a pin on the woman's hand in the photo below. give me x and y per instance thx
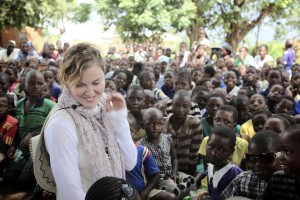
(115, 101)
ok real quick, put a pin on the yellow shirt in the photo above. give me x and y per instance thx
(247, 129)
(241, 147)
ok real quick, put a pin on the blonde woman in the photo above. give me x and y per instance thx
(91, 139)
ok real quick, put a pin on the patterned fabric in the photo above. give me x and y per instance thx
(282, 186)
(9, 129)
(246, 184)
(186, 140)
(161, 153)
(194, 111)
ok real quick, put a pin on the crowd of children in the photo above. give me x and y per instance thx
(204, 128)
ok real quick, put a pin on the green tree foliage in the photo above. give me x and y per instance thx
(41, 13)
(139, 19)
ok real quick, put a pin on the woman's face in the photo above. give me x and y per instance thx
(90, 87)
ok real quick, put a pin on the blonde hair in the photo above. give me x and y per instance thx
(77, 59)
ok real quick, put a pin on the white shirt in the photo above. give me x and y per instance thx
(261, 62)
(12, 56)
(62, 144)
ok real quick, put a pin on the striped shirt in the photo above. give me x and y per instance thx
(246, 184)
(186, 140)
(194, 111)
(282, 186)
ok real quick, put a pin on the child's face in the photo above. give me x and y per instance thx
(242, 70)
(274, 77)
(213, 104)
(35, 85)
(181, 83)
(289, 160)
(257, 102)
(110, 86)
(149, 100)
(243, 113)
(295, 80)
(196, 76)
(275, 93)
(295, 69)
(11, 74)
(49, 77)
(123, 65)
(275, 124)
(148, 82)
(209, 86)
(224, 118)
(181, 106)
(285, 80)
(121, 79)
(154, 125)
(4, 84)
(157, 69)
(46, 91)
(219, 73)
(169, 79)
(259, 121)
(251, 75)
(201, 99)
(285, 106)
(217, 150)
(3, 107)
(135, 100)
(175, 66)
(133, 127)
(261, 161)
(230, 79)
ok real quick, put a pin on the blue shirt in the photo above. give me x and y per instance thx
(144, 168)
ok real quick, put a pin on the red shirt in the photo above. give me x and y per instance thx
(9, 129)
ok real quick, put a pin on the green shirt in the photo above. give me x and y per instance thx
(34, 119)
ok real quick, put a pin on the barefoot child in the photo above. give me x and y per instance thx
(145, 175)
(162, 148)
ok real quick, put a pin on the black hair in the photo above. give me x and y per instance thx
(138, 65)
(143, 74)
(182, 93)
(268, 139)
(263, 112)
(289, 118)
(110, 188)
(285, 122)
(131, 118)
(263, 97)
(197, 69)
(118, 72)
(295, 65)
(217, 95)
(202, 81)
(135, 87)
(184, 74)
(129, 77)
(151, 111)
(231, 109)
(240, 101)
(15, 71)
(237, 73)
(111, 80)
(265, 46)
(199, 89)
(208, 69)
(4, 77)
(292, 131)
(225, 132)
(275, 69)
(5, 95)
(289, 99)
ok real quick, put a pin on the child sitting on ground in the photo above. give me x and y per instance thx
(167, 87)
(200, 96)
(163, 151)
(145, 175)
(110, 85)
(286, 105)
(8, 128)
(220, 171)
(277, 123)
(120, 78)
(186, 132)
(285, 184)
(149, 100)
(230, 81)
(263, 148)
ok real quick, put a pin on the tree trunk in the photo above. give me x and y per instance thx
(193, 35)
